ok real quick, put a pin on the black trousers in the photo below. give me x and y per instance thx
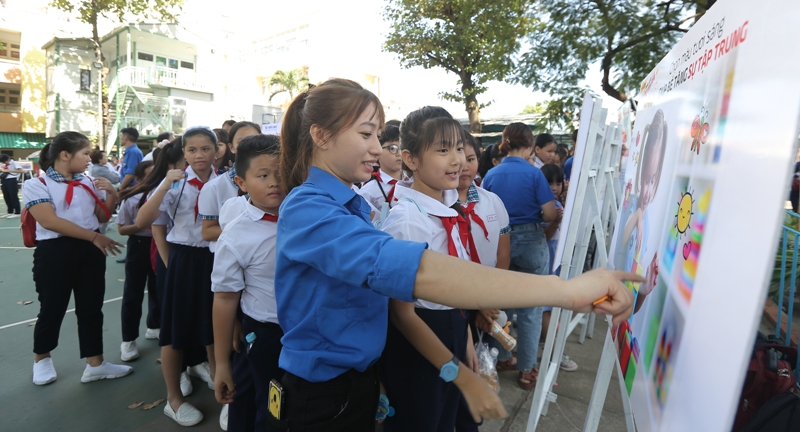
(347, 403)
(10, 189)
(138, 274)
(253, 369)
(60, 267)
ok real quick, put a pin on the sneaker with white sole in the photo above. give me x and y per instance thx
(13, 216)
(44, 372)
(567, 364)
(106, 370)
(202, 371)
(128, 351)
(186, 384)
(152, 333)
(187, 414)
(223, 418)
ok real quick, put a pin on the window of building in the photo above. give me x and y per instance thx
(9, 50)
(144, 56)
(187, 65)
(86, 80)
(123, 60)
(173, 64)
(161, 61)
(10, 97)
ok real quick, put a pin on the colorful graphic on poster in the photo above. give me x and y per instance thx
(684, 222)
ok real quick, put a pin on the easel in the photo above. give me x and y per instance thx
(595, 203)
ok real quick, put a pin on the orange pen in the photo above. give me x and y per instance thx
(600, 300)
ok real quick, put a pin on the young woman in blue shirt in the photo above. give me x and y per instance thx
(335, 272)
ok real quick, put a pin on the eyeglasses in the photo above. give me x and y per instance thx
(393, 149)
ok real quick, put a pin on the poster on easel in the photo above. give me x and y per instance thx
(710, 157)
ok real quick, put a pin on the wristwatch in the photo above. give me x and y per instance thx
(449, 370)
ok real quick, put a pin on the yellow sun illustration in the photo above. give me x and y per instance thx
(684, 216)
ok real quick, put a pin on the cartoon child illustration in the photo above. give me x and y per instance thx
(633, 241)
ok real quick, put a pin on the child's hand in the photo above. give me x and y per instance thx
(559, 214)
(591, 286)
(485, 317)
(483, 402)
(173, 176)
(103, 184)
(106, 244)
(472, 358)
(224, 388)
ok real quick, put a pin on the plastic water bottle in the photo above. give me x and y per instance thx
(250, 338)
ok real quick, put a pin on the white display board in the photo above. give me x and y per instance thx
(271, 129)
(710, 160)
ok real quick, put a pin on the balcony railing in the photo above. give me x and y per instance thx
(160, 76)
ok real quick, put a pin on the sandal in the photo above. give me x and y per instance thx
(507, 365)
(527, 379)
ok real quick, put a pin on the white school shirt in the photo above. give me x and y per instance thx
(231, 210)
(80, 212)
(407, 222)
(185, 229)
(214, 195)
(371, 191)
(12, 165)
(128, 211)
(245, 262)
(492, 212)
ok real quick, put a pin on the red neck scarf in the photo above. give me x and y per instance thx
(469, 209)
(196, 182)
(71, 189)
(269, 217)
(464, 234)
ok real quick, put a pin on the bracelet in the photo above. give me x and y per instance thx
(95, 237)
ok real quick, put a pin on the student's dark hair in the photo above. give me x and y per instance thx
(163, 136)
(470, 140)
(486, 161)
(395, 123)
(141, 168)
(222, 135)
(156, 151)
(553, 173)
(131, 133)
(333, 106)
(4, 158)
(253, 146)
(199, 131)
(228, 123)
(390, 133)
(427, 127)
(170, 155)
(574, 136)
(96, 156)
(70, 142)
(562, 152)
(239, 126)
(515, 136)
(543, 139)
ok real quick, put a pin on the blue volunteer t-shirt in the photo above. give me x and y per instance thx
(522, 188)
(130, 158)
(568, 168)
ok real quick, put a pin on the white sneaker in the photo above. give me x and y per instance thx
(187, 415)
(105, 371)
(13, 216)
(186, 384)
(152, 333)
(223, 418)
(202, 371)
(44, 372)
(128, 351)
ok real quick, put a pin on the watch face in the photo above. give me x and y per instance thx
(449, 372)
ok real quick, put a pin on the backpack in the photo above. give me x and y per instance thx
(28, 227)
(780, 414)
(769, 373)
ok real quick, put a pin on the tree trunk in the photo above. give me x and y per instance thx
(471, 103)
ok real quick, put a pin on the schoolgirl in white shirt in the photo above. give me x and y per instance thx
(186, 316)
(243, 279)
(223, 188)
(421, 332)
(71, 254)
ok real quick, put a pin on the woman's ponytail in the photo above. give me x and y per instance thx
(297, 147)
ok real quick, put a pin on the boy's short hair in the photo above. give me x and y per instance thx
(252, 147)
(553, 173)
(131, 133)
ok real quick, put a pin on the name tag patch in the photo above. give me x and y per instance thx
(491, 218)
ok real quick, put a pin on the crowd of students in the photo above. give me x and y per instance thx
(270, 272)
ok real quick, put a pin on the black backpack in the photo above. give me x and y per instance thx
(779, 414)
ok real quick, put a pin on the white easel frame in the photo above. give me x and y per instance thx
(595, 207)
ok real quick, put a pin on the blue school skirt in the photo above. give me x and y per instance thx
(186, 311)
(422, 401)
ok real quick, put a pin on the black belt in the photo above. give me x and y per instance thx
(258, 323)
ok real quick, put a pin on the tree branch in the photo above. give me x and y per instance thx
(441, 63)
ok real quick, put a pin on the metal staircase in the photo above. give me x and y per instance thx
(149, 114)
